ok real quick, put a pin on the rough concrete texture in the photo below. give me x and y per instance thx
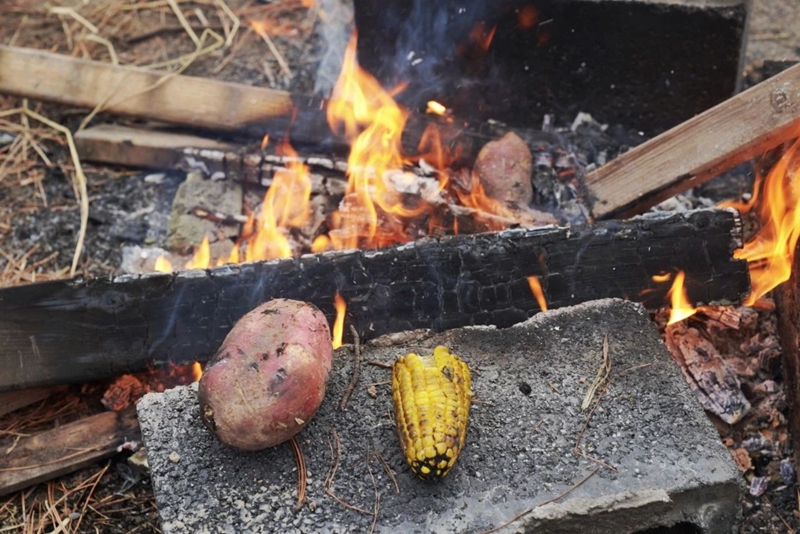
(186, 230)
(529, 381)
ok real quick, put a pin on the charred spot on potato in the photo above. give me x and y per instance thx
(280, 350)
(269, 311)
(254, 366)
(277, 380)
(264, 356)
(240, 351)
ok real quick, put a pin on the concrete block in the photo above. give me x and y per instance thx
(186, 230)
(669, 464)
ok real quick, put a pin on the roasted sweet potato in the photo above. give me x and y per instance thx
(268, 377)
(504, 168)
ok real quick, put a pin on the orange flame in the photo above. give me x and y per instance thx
(202, 256)
(538, 293)
(286, 205)
(436, 108)
(770, 253)
(197, 371)
(373, 122)
(680, 307)
(163, 265)
(338, 324)
(265, 142)
(477, 198)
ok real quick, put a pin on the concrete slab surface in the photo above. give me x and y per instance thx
(669, 465)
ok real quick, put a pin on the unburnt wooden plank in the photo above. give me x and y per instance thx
(65, 449)
(78, 330)
(173, 98)
(140, 147)
(699, 149)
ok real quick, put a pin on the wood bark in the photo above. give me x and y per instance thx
(787, 304)
(66, 448)
(177, 99)
(717, 140)
(78, 330)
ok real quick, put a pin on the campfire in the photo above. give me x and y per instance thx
(410, 224)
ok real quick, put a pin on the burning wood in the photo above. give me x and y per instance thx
(80, 330)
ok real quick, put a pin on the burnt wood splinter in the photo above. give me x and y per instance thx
(78, 330)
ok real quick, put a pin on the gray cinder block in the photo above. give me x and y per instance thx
(529, 381)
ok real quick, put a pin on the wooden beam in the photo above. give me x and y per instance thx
(787, 304)
(178, 99)
(717, 140)
(138, 147)
(65, 449)
(79, 330)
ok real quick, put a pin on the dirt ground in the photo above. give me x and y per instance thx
(121, 498)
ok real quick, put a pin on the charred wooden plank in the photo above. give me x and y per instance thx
(66, 448)
(726, 135)
(78, 330)
(787, 305)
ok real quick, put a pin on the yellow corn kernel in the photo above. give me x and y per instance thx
(432, 396)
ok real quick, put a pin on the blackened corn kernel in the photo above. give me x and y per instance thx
(432, 397)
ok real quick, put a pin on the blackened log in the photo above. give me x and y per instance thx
(787, 304)
(79, 330)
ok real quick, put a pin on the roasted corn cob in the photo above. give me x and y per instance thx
(432, 396)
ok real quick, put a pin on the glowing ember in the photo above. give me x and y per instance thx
(483, 37)
(265, 142)
(680, 307)
(527, 17)
(338, 324)
(770, 253)
(538, 293)
(661, 278)
(163, 265)
(436, 108)
(202, 256)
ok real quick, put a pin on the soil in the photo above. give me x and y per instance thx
(39, 211)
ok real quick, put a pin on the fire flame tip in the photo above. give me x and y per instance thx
(538, 292)
(338, 324)
(680, 306)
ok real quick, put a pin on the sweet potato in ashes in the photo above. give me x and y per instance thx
(269, 376)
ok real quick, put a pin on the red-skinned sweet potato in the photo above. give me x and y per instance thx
(268, 377)
(504, 168)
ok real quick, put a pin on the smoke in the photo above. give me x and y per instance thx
(426, 44)
(334, 30)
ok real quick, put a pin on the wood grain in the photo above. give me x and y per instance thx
(65, 449)
(178, 99)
